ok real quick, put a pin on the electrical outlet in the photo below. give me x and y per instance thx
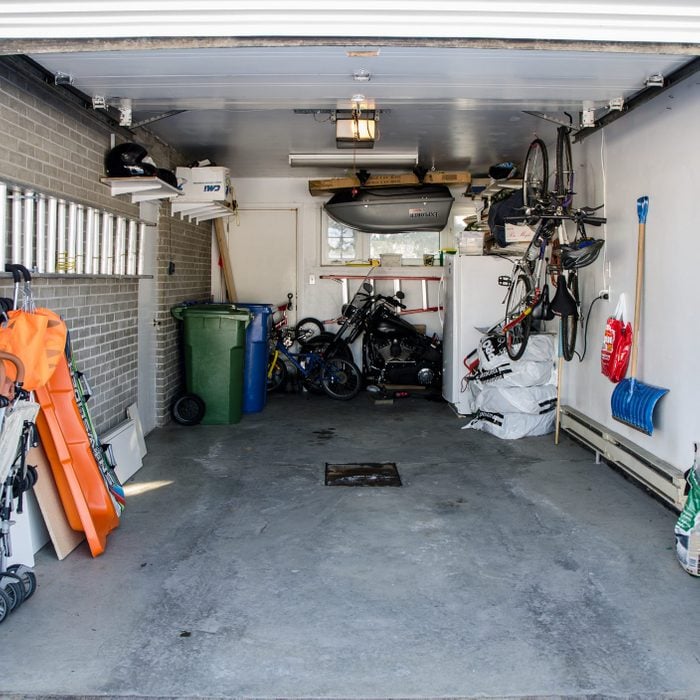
(604, 294)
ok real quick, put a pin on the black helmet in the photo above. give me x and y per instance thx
(126, 160)
(167, 176)
(503, 171)
(582, 253)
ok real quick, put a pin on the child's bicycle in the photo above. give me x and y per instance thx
(338, 377)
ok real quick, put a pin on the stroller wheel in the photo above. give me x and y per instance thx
(5, 605)
(27, 577)
(188, 410)
(12, 586)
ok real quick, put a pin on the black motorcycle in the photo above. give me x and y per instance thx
(395, 355)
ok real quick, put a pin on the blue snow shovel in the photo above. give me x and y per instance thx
(633, 401)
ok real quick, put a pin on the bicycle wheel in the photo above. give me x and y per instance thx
(519, 296)
(341, 379)
(535, 174)
(189, 409)
(568, 324)
(307, 329)
(564, 174)
(277, 374)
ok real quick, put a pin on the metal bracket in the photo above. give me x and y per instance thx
(617, 104)
(62, 79)
(99, 102)
(125, 112)
(655, 80)
(550, 118)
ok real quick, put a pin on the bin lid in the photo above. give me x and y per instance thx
(255, 307)
(221, 310)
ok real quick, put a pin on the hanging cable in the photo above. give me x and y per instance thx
(585, 328)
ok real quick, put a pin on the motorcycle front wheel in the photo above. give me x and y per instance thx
(341, 379)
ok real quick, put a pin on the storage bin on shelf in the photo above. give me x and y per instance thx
(206, 193)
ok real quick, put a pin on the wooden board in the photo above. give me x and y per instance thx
(63, 537)
(222, 243)
(320, 187)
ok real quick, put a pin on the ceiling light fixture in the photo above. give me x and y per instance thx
(358, 159)
(355, 128)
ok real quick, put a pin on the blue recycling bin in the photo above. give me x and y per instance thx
(256, 356)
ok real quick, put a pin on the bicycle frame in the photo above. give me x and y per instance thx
(535, 268)
(316, 361)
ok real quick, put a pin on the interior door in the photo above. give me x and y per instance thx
(263, 251)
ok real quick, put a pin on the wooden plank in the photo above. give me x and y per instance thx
(63, 537)
(320, 187)
(461, 177)
(225, 259)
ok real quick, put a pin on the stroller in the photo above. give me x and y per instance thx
(17, 435)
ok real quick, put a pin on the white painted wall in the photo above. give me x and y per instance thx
(652, 151)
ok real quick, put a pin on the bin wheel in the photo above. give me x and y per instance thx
(188, 410)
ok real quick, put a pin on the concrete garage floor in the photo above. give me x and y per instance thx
(498, 569)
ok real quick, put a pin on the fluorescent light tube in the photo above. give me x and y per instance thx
(359, 159)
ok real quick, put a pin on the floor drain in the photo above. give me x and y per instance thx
(363, 474)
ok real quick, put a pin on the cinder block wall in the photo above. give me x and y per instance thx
(184, 245)
(58, 147)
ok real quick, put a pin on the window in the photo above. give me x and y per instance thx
(342, 244)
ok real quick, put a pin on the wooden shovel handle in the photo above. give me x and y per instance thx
(642, 208)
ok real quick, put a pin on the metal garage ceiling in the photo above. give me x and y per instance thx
(461, 108)
(459, 101)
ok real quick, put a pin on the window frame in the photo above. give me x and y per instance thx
(362, 244)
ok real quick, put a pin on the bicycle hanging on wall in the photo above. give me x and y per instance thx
(552, 256)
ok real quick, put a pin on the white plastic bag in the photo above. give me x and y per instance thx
(497, 398)
(540, 348)
(520, 373)
(513, 426)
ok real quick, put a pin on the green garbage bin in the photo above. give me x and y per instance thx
(214, 346)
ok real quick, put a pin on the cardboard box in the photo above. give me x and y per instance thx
(318, 187)
(334, 184)
(204, 184)
(518, 233)
(437, 177)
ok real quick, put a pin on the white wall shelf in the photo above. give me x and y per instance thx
(142, 188)
(203, 211)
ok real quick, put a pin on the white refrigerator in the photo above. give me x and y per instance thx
(472, 298)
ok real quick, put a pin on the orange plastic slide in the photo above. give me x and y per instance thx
(84, 494)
